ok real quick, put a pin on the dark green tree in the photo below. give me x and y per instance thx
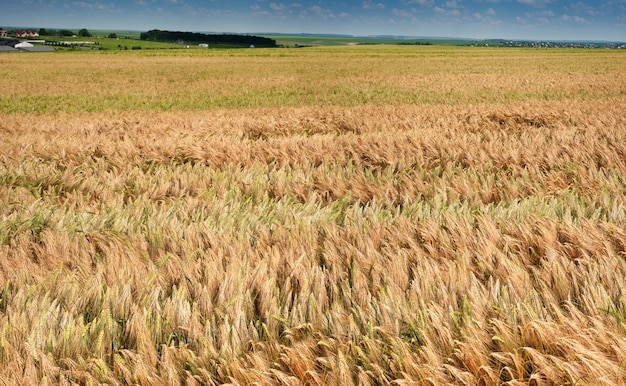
(65, 32)
(84, 33)
(194, 37)
(112, 36)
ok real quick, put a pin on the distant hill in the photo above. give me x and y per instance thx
(213, 39)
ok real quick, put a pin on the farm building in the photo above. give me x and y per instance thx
(26, 34)
(3, 33)
(24, 45)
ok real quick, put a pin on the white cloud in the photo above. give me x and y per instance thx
(581, 7)
(450, 12)
(278, 7)
(535, 3)
(575, 19)
(485, 18)
(259, 11)
(316, 10)
(96, 5)
(369, 4)
(545, 16)
(424, 3)
(490, 12)
(403, 13)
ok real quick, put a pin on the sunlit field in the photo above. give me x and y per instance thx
(338, 215)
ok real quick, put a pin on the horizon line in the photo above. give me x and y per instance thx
(322, 34)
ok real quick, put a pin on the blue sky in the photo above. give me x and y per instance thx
(510, 19)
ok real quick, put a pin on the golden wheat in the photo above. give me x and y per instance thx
(474, 239)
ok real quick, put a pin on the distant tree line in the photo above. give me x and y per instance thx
(64, 32)
(194, 37)
(415, 43)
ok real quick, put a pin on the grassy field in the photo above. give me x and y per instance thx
(337, 215)
(130, 39)
(313, 40)
(102, 42)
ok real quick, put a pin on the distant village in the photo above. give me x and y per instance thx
(22, 40)
(549, 44)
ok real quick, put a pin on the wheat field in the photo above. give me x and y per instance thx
(351, 215)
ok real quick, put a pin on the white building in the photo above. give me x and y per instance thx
(23, 45)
